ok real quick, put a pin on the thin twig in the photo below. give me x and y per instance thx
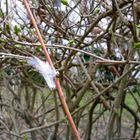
(9, 55)
(101, 60)
(41, 127)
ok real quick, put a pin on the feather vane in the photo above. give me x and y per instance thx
(47, 71)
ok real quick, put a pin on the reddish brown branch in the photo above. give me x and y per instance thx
(58, 86)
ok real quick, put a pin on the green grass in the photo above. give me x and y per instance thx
(131, 99)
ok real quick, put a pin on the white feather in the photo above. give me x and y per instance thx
(48, 72)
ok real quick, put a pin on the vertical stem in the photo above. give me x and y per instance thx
(66, 110)
(59, 89)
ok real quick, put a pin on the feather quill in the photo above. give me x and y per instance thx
(47, 71)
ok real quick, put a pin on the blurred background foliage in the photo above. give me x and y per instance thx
(107, 29)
